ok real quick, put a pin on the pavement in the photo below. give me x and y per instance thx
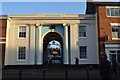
(53, 74)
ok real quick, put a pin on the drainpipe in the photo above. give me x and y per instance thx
(98, 25)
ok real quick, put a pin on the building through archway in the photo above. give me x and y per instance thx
(50, 37)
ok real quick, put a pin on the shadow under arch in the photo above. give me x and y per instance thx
(47, 38)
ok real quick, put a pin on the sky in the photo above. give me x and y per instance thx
(8, 7)
(43, 7)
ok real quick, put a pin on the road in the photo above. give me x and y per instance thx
(58, 73)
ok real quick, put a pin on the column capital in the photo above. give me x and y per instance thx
(37, 24)
(66, 24)
(40, 24)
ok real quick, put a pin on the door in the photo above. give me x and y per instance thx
(112, 56)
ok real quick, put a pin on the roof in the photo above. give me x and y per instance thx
(107, 3)
(3, 16)
(51, 16)
(91, 6)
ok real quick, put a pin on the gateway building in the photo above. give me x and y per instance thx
(38, 39)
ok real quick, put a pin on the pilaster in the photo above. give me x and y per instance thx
(32, 44)
(40, 47)
(65, 44)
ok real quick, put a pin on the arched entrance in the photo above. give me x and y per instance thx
(46, 40)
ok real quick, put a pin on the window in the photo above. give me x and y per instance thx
(82, 31)
(21, 53)
(22, 31)
(116, 54)
(113, 12)
(83, 52)
(115, 32)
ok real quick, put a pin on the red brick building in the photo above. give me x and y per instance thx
(108, 23)
(3, 25)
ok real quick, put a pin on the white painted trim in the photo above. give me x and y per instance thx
(2, 42)
(114, 16)
(2, 37)
(115, 38)
(112, 6)
(112, 45)
(83, 37)
(115, 24)
(83, 59)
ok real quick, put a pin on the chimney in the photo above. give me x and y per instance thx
(91, 8)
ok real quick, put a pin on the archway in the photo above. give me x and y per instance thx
(48, 38)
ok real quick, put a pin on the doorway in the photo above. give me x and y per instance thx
(114, 54)
(48, 57)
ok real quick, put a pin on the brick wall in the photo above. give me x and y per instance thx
(105, 26)
(3, 24)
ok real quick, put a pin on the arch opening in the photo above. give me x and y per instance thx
(52, 48)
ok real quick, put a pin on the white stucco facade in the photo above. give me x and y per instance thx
(66, 26)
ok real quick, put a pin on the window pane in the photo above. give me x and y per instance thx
(115, 32)
(22, 31)
(113, 11)
(82, 31)
(116, 12)
(23, 28)
(21, 53)
(83, 52)
(108, 12)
